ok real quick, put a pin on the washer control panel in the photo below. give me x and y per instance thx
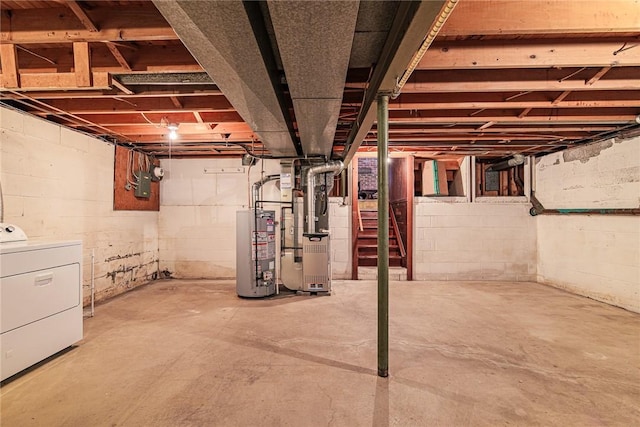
(11, 233)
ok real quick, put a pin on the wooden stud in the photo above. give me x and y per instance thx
(82, 16)
(82, 63)
(9, 59)
(198, 117)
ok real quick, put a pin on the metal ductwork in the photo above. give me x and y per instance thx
(227, 38)
(516, 160)
(314, 40)
(310, 179)
(258, 184)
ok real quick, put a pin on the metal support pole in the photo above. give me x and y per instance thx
(383, 235)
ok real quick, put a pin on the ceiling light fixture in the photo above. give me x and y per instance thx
(173, 131)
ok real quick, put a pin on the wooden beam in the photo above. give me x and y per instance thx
(598, 76)
(483, 105)
(60, 25)
(157, 57)
(118, 56)
(82, 63)
(116, 83)
(455, 86)
(99, 94)
(182, 116)
(82, 15)
(9, 59)
(198, 117)
(619, 118)
(158, 105)
(61, 81)
(528, 54)
(503, 17)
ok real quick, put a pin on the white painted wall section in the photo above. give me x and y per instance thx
(198, 203)
(597, 256)
(339, 224)
(58, 185)
(474, 241)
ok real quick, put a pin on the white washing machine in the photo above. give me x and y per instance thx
(40, 300)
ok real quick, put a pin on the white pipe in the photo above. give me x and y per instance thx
(442, 18)
(335, 166)
(93, 282)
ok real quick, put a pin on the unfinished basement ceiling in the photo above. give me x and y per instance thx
(502, 76)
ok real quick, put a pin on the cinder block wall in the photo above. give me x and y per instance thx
(198, 214)
(58, 185)
(339, 224)
(596, 255)
(474, 241)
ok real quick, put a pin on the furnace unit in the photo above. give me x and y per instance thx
(315, 263)
(255, 253)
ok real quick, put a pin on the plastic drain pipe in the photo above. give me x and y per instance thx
(335, 166)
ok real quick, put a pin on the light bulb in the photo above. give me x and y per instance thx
(173, 134)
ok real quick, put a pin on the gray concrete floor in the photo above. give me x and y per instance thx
(190, 353)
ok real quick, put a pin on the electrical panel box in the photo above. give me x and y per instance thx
(316, 268)
(255, 253)
(143, 189)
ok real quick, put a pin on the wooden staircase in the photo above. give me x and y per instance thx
(367, 242)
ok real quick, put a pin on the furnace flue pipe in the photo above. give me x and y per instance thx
(335, 167)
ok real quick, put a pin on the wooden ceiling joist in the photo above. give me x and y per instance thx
(62, 81)
(25, 26)
(523, 17)
(563, 53)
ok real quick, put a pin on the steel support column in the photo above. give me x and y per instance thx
(383, 235)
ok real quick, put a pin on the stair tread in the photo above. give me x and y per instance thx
(371, 256)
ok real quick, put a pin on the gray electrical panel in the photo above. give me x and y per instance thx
(143, 189)
(255, 253)
(315, 263)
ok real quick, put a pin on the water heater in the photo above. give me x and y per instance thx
(255, 253)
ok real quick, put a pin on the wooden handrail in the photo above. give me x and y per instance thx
(403, 252)
(359, 216)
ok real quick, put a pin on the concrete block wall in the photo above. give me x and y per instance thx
(458, 240)
(597, 256)
(197, 221)
(340, 226)
(58, 185)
